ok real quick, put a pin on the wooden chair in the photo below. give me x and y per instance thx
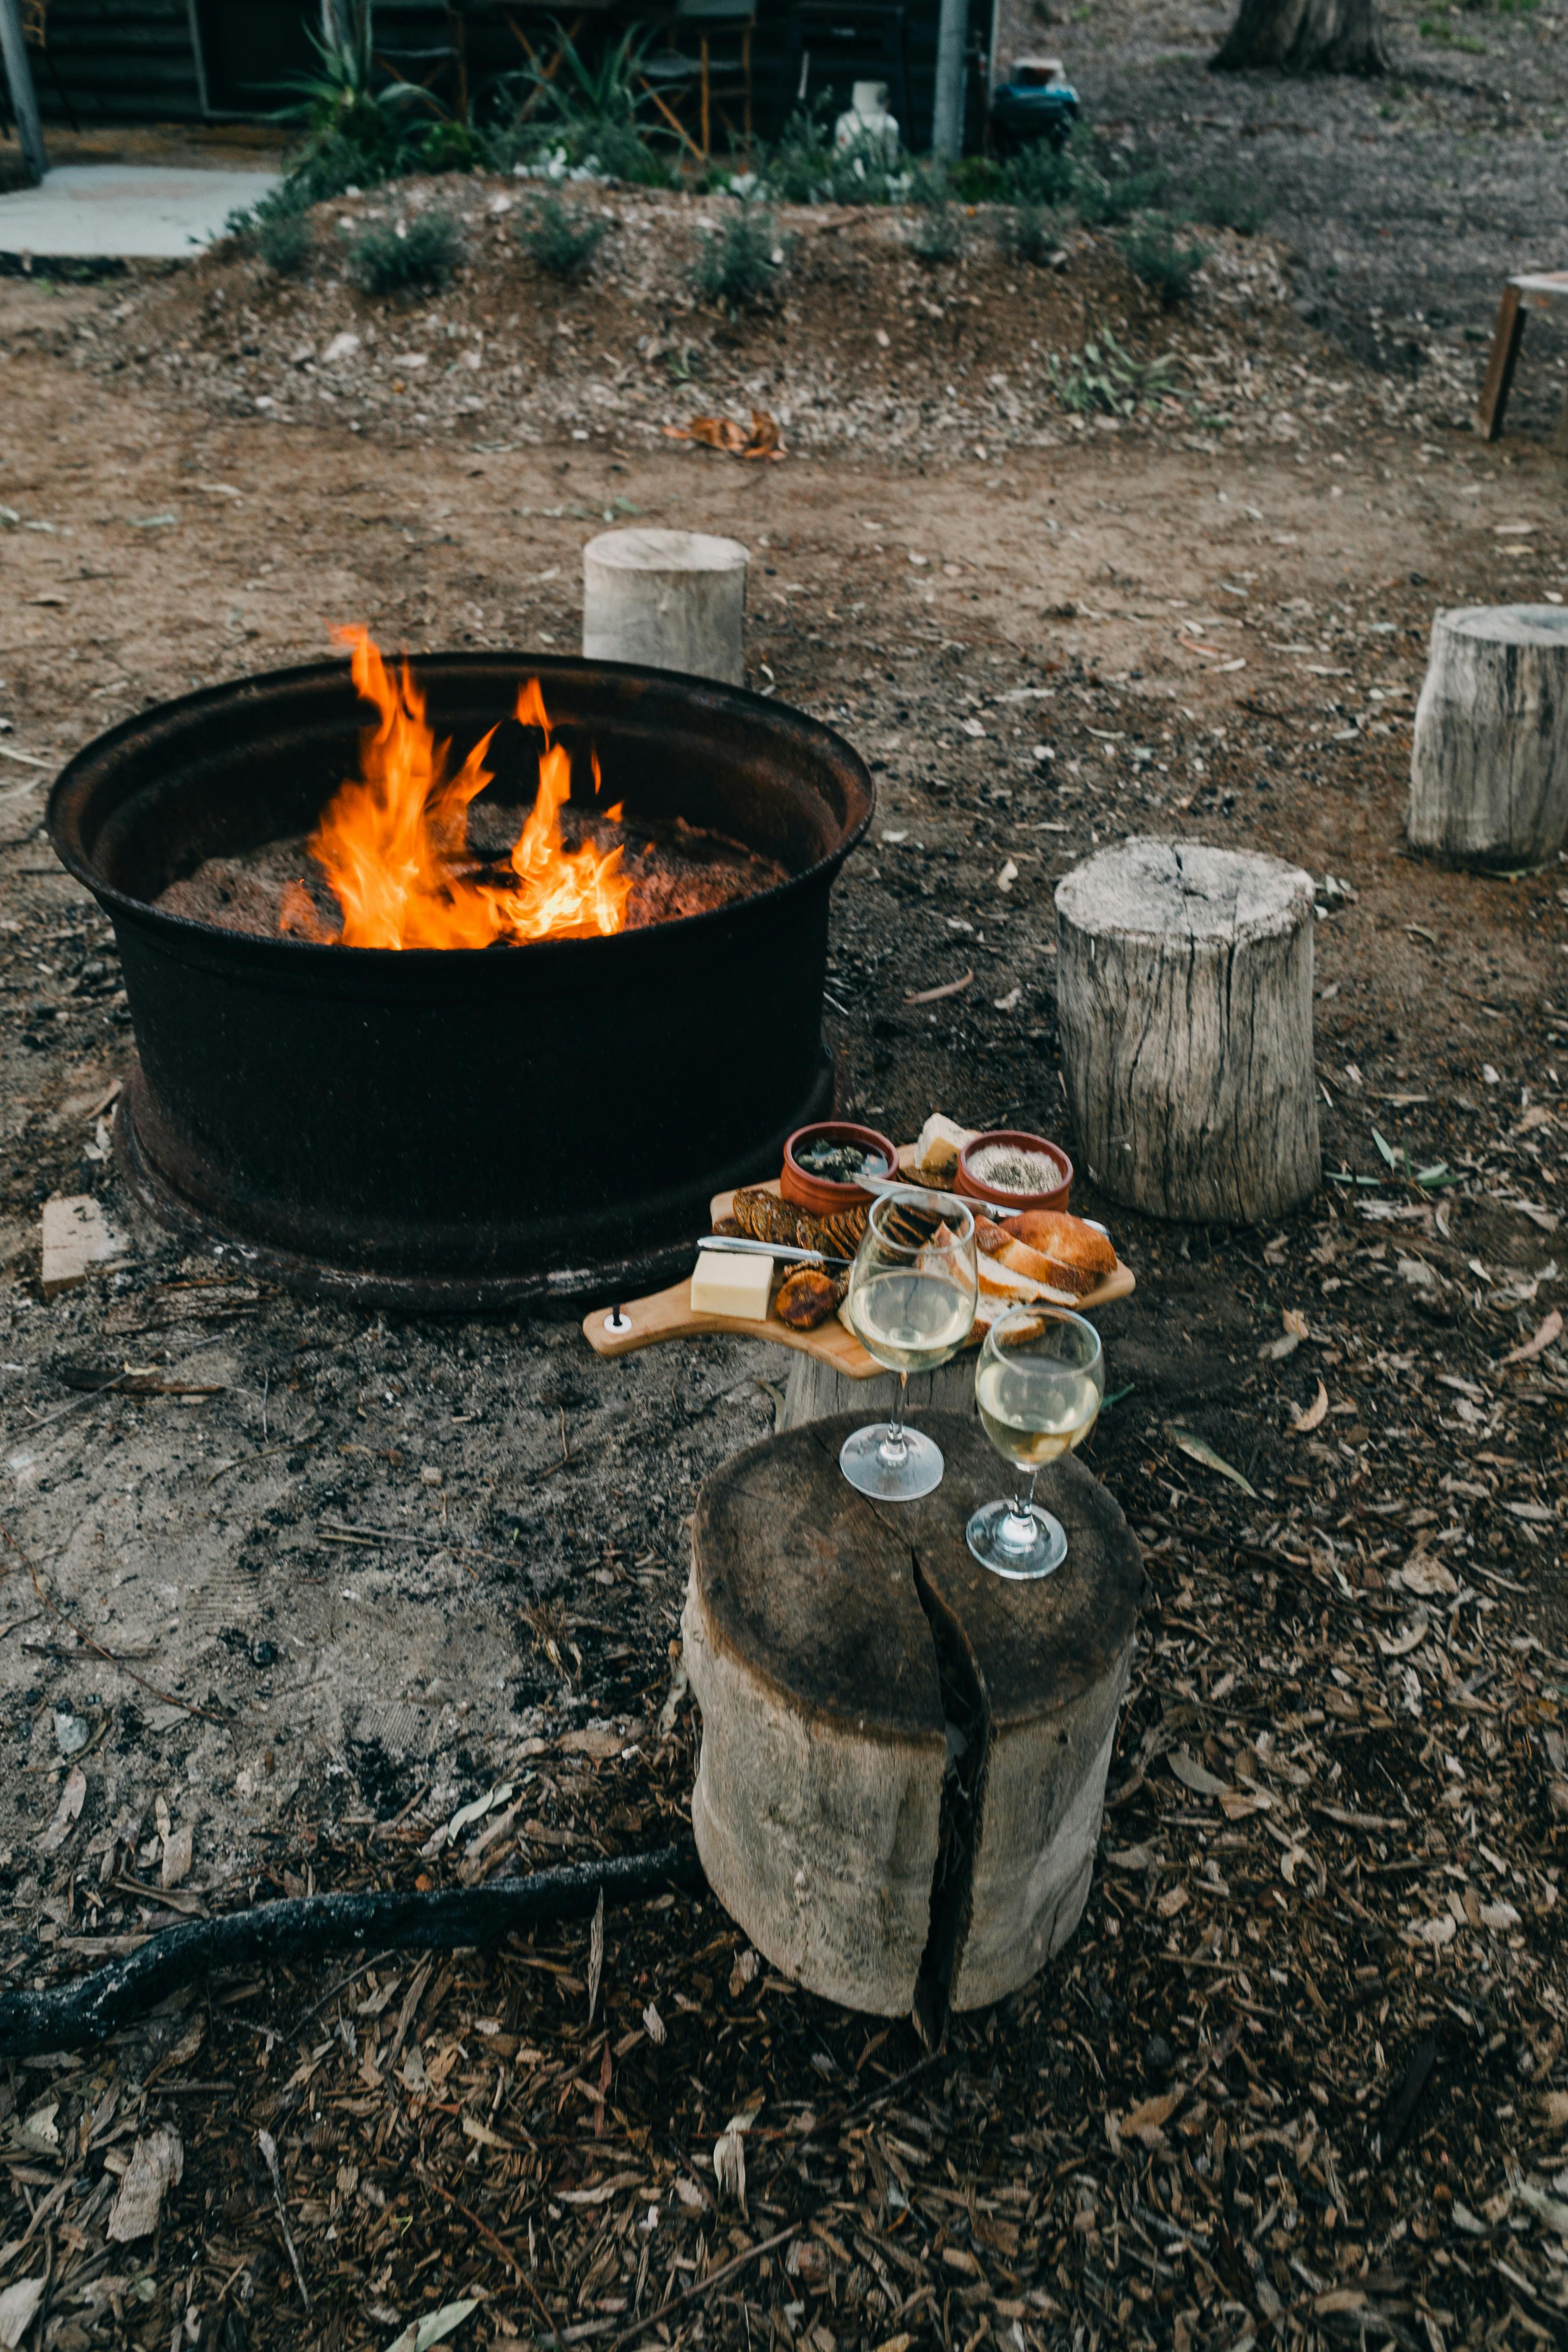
(1536, 291)
(721, 78)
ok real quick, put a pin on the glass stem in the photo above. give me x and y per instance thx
(1024, 1504)
(896, 1426)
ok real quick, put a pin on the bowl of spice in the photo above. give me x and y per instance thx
(823, 1164)
(1013, 1172)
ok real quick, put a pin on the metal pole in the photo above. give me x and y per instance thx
(947, 122)
(24, 96)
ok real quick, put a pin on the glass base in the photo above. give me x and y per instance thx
(1010, 1544)
(889, 1469)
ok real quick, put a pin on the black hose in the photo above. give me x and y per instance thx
(32, 2022)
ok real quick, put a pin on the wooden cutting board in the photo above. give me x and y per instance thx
(668, 1314)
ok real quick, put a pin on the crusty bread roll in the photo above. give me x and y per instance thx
(1077, 1257)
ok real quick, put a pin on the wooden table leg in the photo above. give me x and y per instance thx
(1501, 361)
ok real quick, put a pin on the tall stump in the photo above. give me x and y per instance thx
(668, 599)
(903, 1757)
(1185, 1001)
(1488, 770)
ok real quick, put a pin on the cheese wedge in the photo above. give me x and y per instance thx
(732, 1283)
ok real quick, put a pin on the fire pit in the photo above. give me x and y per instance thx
(466, 1126)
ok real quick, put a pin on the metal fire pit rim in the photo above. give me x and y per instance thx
(76, 775)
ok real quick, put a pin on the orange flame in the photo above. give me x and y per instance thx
(392, 840)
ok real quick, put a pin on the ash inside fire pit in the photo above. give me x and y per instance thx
(674, 868)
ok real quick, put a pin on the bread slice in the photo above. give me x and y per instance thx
(1000, 1251)
(1073, 1255)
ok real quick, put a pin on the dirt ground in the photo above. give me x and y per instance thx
(1285, 2081)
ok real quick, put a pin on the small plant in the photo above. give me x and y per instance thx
(1153, 252)
(395, 257)
(356, 131)
(1108, 378)
(869, 169)
(1040, 174)
(1107, 202)
(1232, 202)
(561, 240)
(738, 266)
(590, 115)
(977, 179)
(450, 145)
(285, 242)
(938, 233)
(1032, 233)
(797, 170)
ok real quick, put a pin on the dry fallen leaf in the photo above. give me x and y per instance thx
(1551, 1328)
(72, 1798)
(1423, 1574)
(18, 2307)
(762, 440)
(1198, 1449)
(596, 1955)
(1144, 2121)
(1315, 1415)
(1195, 1776)
(175, 1867)
(156, 2162)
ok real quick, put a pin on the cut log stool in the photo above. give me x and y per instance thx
(903, 1757)
(813, 1389)
(1185, 1001)
(1489, 767)
(668, 599)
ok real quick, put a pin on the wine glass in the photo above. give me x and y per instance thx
(911, 1305)
(1039, 1384)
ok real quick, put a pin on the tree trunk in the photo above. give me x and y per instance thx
(1301, 36)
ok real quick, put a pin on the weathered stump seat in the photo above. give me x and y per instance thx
(1489, 761)
(1185, 999)
(903, 1757)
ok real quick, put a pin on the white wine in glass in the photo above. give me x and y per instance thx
(912, 1306)
(1038, 1386)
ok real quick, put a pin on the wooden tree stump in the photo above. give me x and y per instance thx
(903, 1757)
(1489, 770)
(1185, 1001)
(670, 599)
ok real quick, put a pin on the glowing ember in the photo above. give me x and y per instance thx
(393, 844)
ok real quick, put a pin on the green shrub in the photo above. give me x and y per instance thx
(285, 242)
(1032, 233)
(1040, 174)
(395, 257)
(800, 168)
(938, 232)
(977, 179)
(561, 240)
(1154, 253)
(449, 146)
(1108, 201)
(735, 267)
(1232, 202)
(870, 170)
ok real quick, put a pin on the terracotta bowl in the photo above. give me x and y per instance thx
(970, 1187)
(818, 1194)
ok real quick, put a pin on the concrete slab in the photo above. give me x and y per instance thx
(125, 212)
